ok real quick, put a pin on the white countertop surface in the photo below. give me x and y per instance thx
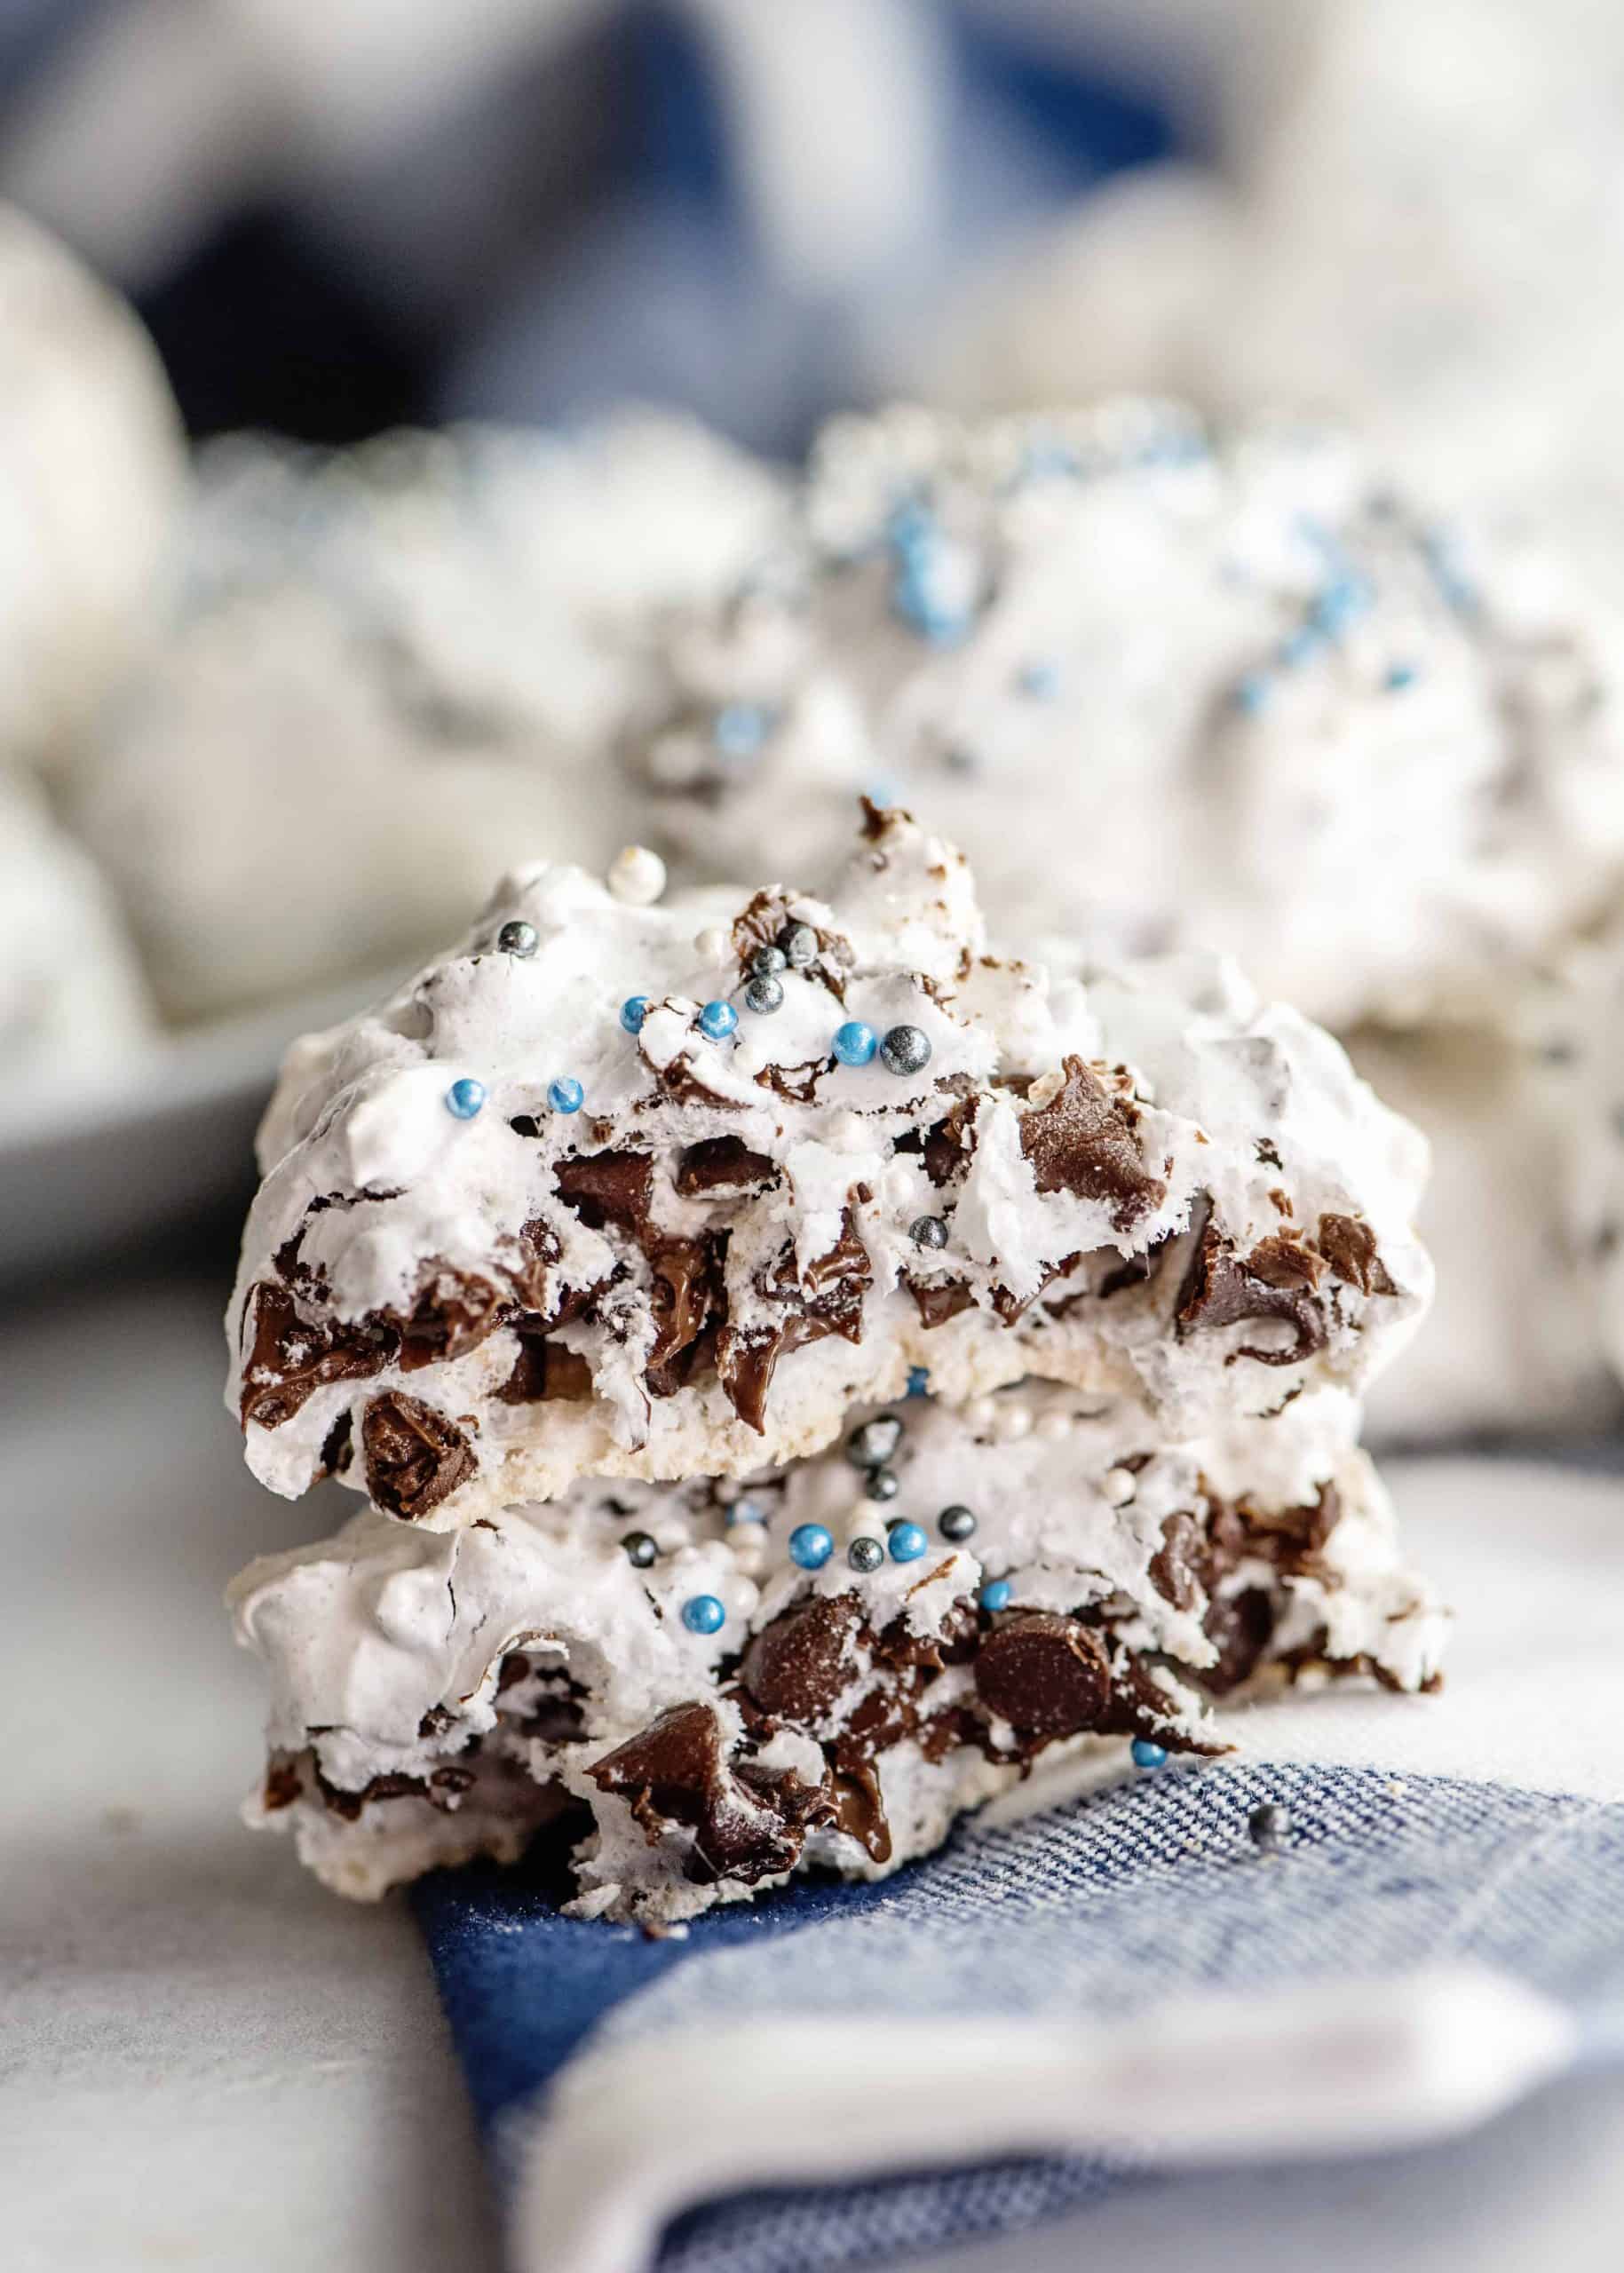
(206, 2061)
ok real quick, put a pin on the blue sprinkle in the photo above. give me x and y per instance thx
(564, 1094)
(995, 1595)
(907, 1542)
(811, 1545)
(717, 1020)
(744, 1511)
(634, 1009)
(1399, 676)
(912, 525)
(918, 1382)
(741, 728)
(465, 1097)
(1252, 693)
(881, 791)
(1340, 602)
(916, 594)
(1040, 680)
(1046, 455)
(703, 1614)
(1146, 1754)
(1299, 646)
(1456, 588)
(855, 1043)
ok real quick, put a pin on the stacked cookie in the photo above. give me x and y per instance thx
(1226, 684)
(803, 1365)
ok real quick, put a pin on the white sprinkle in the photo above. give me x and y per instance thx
(1012, 1422)
(746, 1594)
(1053, 1425)
(979, 1412)
(749, 1550)
(672, 1532)
(636, 875)
(1117, 1484)
(849, 1132)
(712, 944)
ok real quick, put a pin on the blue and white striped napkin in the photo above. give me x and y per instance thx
(837, 2076)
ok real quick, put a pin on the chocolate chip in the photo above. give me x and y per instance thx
(722, 1164)
(607, 1188)
(1350, 1246)
(292, 1357)
(1045, 1674)
(1176, 1565)
(1084, 1141)
(676, 1771)
(414, 1457)
(1221, 1290)
(828, 1301)
(797, 1668)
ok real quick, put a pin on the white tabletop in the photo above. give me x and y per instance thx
(207, 2061)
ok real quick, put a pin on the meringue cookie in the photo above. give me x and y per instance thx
(74, 1013)
(90, 474)
(384, 669)
(1173, 686)
(574, 1207)
(441, 1694)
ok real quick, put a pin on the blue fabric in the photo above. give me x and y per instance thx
(660, 293)
(1121, 1901)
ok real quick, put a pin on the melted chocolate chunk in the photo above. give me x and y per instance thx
(938, 1300)
(1046, 1675)
(608, 1188)
(947, 1146)
(797, 1668)
(414, 1457)
(1175, 1567)
(545, 1371)
(1240, 1627)
(1084, 1141)
(292, 1358)
(722, 1164)
(859, 1810)
(451, 1316)
(687, 1294)
(1283, 1260)
(1350, 1247)
(829, 1300)
(337, 1447)
(1221, 1290)
(674, 1771)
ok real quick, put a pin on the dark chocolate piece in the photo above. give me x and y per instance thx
(674, 1771)
(1350, 1246)
(1046, 1675)
(798, 1668)
(1085, 1141)
(415, 1456)
(1221, 1290)
(722, 1164)
(829, 1301)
